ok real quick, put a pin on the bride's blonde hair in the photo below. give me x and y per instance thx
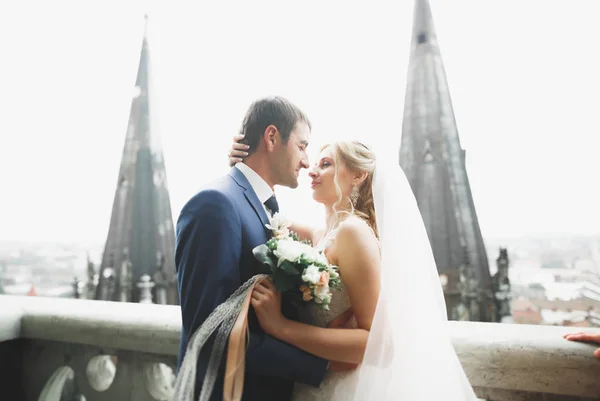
(358, 158)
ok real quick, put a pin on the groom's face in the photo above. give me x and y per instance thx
(292, 156)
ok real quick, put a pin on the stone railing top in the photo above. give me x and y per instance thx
(500, 356)
(114, 325)
(526, 358)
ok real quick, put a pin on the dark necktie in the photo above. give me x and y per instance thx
(272, 204)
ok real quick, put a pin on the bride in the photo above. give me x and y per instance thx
(385, 332)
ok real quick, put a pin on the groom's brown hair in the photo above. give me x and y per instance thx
(273, 110)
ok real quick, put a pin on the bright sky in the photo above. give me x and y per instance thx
(524, 79)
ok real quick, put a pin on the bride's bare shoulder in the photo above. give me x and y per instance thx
(356, 232)
(356, 252)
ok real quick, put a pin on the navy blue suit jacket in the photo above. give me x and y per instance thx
(216, 232)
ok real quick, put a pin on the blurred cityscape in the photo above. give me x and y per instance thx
(44, 268)
(554, 280)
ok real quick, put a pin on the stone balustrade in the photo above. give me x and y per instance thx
(63, 349)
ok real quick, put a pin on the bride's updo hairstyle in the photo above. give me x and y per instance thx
(357, 158)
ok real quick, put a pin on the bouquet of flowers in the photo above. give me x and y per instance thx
(296, 266)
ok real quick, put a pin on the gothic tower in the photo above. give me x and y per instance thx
(140, 239)
(434, 162)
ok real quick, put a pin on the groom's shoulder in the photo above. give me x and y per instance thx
(222, 185)
(218, 193)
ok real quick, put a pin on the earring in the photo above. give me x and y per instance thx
(354, 195)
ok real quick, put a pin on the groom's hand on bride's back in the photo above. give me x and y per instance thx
(238, 150)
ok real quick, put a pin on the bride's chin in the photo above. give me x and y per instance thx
(316, 198)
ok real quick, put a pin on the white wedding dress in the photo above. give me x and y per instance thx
(315, 316)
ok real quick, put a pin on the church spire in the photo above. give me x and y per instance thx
(141, 224)
(423, 31)
(145, 27)
(433, 159)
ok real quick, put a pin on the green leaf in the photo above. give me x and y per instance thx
(283, 281)
(263, 254)
(294, 298)
(303, 260)
(289, 268)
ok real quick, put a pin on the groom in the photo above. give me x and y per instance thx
(216, 232)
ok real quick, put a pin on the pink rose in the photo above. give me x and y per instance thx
(324, 279)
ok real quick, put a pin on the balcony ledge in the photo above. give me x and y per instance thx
(502, 361)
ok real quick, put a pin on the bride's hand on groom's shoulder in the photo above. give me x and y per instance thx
(238, 150)
(266, 301)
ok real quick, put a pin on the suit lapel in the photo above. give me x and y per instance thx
(257, 206)
(251, 197)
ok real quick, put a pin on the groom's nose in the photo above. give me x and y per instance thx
(304, 163)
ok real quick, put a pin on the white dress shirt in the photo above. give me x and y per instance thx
(261, 188)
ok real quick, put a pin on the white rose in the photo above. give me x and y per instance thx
(282, 234)
(311, 274)
(278, 222)
(322, 293)
(290, 251)
(322, 259)
(311, 254)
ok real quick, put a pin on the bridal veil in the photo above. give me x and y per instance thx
(409, 353)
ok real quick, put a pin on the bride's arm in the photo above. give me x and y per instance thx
(306, 232)
(358, 259)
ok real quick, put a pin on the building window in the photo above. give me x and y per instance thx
(422, 38)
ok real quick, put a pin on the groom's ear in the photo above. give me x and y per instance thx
(270, 137)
